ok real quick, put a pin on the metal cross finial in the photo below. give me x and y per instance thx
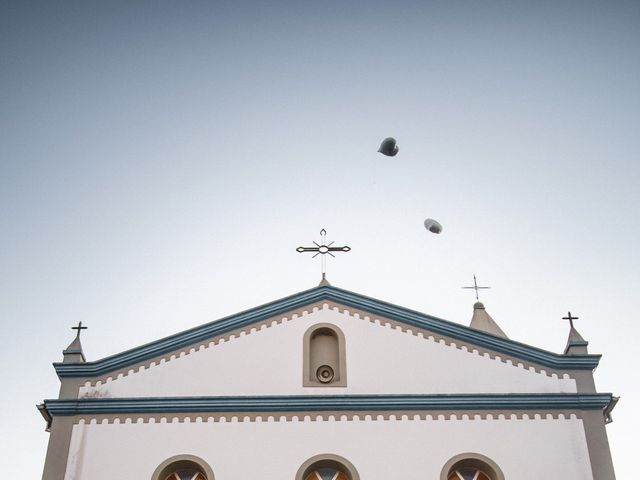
(323, 249)
(476, 287)
(571, 318)
(79, 328)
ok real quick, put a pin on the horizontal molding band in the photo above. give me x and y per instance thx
(346, 298)
(300, 403)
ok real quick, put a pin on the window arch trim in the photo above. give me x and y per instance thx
(474, 459)
(163, 469)
(307, 380)
(330, 458)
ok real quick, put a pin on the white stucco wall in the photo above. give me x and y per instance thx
(380, 359)
(526, 449)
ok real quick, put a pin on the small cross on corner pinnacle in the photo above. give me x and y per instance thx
(79, 328)
(571, 318)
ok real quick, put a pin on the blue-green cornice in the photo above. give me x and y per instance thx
(374, 307)
(330, 403)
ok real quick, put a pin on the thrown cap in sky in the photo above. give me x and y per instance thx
(389, 147)
(432, 225)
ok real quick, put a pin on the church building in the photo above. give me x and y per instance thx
(328, 384)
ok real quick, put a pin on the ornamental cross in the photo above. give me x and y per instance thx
(323, 248)
(79, 328)
(571, 318)
(476, 287)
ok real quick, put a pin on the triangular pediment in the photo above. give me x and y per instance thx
(412, 346)
(345, 299)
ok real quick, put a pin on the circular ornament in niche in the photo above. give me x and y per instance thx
(324, 374)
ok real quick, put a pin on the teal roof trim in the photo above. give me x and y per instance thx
(306, 403)
(344, 297)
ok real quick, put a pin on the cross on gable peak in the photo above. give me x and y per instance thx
(323, 248)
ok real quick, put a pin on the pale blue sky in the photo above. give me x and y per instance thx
(160, 162)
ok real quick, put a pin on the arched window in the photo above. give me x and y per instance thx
(324, 362)
(183, 467)
(468, 473)
(186, 474)
(327, 473)
(471, 466)
(327, 467)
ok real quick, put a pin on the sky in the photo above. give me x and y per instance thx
(161, 161)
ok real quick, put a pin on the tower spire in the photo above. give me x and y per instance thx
(73, 353)
(576, 345)
(481, 320)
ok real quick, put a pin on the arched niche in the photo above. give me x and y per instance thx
(324, 357)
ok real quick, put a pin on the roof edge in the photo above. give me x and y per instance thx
(346, 298)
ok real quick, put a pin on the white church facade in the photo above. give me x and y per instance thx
(328, 384)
